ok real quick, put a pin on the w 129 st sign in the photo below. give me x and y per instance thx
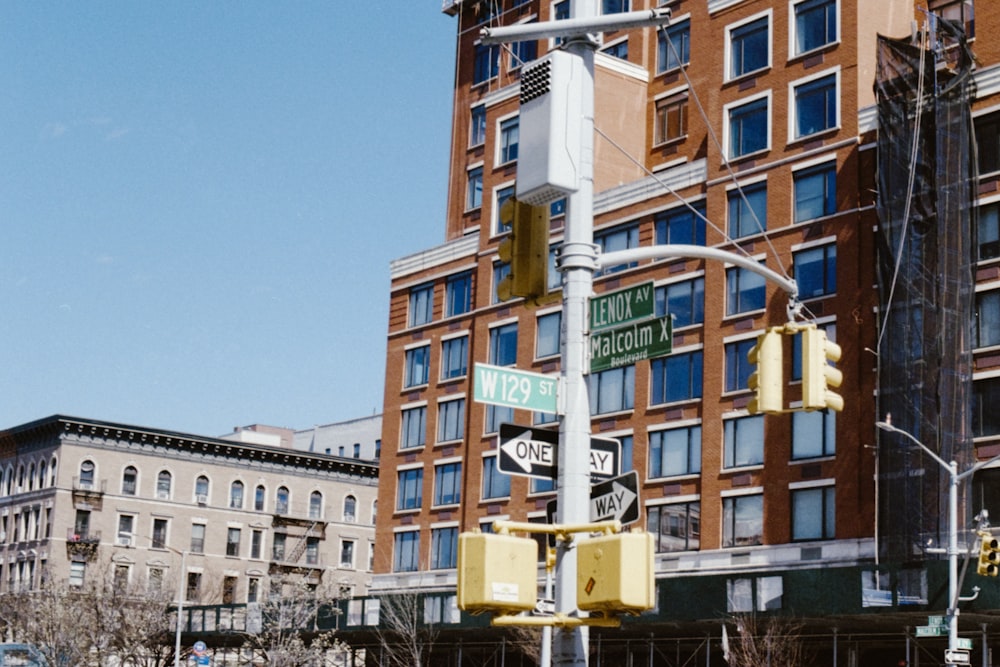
(512, 388)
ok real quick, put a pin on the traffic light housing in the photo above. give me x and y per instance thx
(989, 556)
(767, 378)
(526, 249)
(496, 573)
(818, 374)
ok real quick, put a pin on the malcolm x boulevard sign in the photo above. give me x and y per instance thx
(631, 343)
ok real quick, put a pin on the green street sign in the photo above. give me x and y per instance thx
(631, 304)
(963, 643)
(938, 621)
(512, 388)
(631, 343)
(931, 630)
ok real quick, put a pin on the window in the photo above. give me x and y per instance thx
(749, 127)
(474, 189)
(201, 489)
(749, 47)
(129, 478)
(228, 590)
(501, 196)
(281, 501)
(987, 129)
(454, 357)
(815, 192)
(350, 509)
(503, 345)
(815, 106)
(126, 527)
(447, 483)
(614, 6)
(451, 420)
(676, 377)
(236, 495)
(347, 554)
(500, 271)
(745, 291)
(619, 238)
(675, 451)
(417, 361)
(542, 485)
(253, 589)
(508, 140)
(684, 301)
(985, 416)
(830, 328)
(742, 520)
(814, 434)
(989, 230)
(159, 537)
(960, 11)
(477, 125)
(312, 551)
(444, 548)
(409, 488)
(315, 505)
(547, 338)
(458, 294)
(673, 47)
(86, 475)
(496, 415)
(421, 304)
(197, 538)
(612, 390)
(406, 551)
(522, 53)
(154, 580)
(675, 527)
(816, 271)
(685, 225)
(259, 496)
(414, 431)
(671, 119)
(744, 441)
(77, 573)
(987, 331)
(233, 542)
(278, 547)
(815, 24)
(617, 50)
(486, 63)
(813, 513)
(495, 483)
(747, 210)
(193, 587)
(256, 543)
(754, 594)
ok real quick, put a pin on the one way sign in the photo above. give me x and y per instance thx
(616, 498)
(532, 452)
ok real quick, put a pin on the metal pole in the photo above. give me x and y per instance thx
(577, 262)
(180, 611)
(952, 556)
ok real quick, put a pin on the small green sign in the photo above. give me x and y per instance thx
(514, 389)
(631, 304)
(629, 344)
(938, 621)
(963, 643)
(931, 630)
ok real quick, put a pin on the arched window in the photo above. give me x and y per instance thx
(350, 508)
(31, 476)
(281, 501)
(201, 490)
(41, 475)
(163, 483)
(9, 483)
(315, 505)
(129, 480)
(87, 474)
(52, 472)
(3, 482)
(236, 495)
(374, 510)
(20, 478)
(259, 497)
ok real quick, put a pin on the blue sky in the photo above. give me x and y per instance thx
(199, 202)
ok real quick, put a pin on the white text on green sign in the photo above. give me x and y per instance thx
(626, 305)
(514, 389)
(629, 344)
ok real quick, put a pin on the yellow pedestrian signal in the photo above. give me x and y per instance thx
(989, 556)
(526, 249)
(767, 378)
(818, 374)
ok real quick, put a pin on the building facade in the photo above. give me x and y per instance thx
(750, 126)
(84, 500)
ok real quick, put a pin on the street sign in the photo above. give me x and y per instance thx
(514, 389)
(531, 452)
(937, 621)
(963, 642)
(622, 306)
(616, 499)
(931, 631)
(956, 657)
(631, 343)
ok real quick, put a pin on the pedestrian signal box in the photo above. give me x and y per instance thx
(615, 573)
(497, 573)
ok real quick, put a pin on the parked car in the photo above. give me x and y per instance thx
(21, 655)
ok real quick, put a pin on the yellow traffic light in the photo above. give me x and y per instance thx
(615, 573)
(526, 249)
(767, 379)
(989, 556)
(818, 375)
(497, 573)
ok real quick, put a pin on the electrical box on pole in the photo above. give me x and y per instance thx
(550, 152)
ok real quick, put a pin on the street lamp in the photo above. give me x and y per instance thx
(954, 478)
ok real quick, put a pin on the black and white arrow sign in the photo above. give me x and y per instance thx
(527, 451)
(616, 499)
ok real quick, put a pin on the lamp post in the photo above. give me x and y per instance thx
(954, 478)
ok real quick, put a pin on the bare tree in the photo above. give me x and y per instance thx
(405, 639)
(285, 629)
(50, 618)
(770, 642)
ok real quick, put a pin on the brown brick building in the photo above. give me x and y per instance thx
(749, 126)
